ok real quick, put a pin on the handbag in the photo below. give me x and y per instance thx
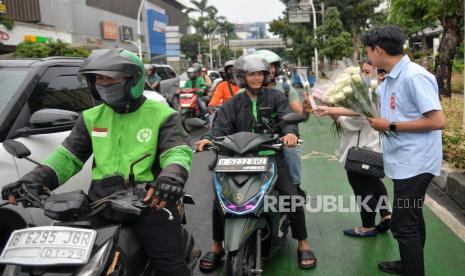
(364, 161)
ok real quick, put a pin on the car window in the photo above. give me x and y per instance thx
(171, 73)
(10, 80)
(162, 73)
(61, 89)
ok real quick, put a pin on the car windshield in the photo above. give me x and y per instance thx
(10, 80)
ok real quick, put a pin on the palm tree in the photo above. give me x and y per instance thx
(201, 7)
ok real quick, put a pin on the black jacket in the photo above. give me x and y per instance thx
(236, 114)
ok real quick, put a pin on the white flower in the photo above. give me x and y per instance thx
(343, 79)
(373, 84)
(347, 90)
(357, 78)
(339, 97)
(353, 70)
(331, 100)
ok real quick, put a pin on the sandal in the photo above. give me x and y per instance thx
(210, 261)
(306, 255)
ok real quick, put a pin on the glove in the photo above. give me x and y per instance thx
(11, 189)
(166, 189)
(8, 190)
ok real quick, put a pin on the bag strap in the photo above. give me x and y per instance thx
(358, 138)
(230, 90)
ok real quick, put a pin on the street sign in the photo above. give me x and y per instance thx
(126, 33)
(299, 11)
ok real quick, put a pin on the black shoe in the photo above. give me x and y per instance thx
(394, 267)
(383, 226)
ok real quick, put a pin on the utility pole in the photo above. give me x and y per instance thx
(139, 40)
(314, 36)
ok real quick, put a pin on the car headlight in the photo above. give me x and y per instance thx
(96, 264)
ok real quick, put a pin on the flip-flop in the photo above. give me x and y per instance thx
(303, 255)
(212, 259)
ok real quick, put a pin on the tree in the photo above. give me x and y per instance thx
(201, 7)
(29, 49)
(207, 20)
(332, 40)
(356, 17)
(452, 23)
(415, 16)
(190, 45)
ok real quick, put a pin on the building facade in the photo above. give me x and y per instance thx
(96, 24)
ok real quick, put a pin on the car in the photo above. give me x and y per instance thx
(40, 101)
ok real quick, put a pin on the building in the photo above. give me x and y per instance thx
(256, 30)
(96, 24)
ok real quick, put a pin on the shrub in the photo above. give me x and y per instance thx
(453, 137)
(457, 82)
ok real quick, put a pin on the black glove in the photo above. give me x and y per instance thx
(9, 189)
(12, 189)
(166, 189)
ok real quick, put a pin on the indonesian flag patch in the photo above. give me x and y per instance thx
(99, 132)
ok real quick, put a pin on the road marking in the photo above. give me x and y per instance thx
(317, 154)
(446, 217)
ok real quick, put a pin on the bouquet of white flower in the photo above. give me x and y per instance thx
(349, 91)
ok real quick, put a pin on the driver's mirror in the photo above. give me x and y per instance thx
(49, 121)
(294, 118)
(17, 149)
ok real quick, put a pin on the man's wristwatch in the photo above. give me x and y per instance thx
(393, 126)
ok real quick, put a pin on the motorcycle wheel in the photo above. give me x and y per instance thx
(241, 262)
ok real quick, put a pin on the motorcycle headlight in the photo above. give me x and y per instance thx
(96, 264)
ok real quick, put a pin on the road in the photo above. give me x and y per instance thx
(337, 254)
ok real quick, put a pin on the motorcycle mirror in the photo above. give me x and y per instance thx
(294, 118)
(195, 122)
(17, 149)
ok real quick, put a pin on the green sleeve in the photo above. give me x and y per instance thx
(64, 163)
(187, 84)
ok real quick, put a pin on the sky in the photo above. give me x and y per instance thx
(242, 11)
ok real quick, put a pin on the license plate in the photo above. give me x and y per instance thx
(49, 245)
(188, 95)
(243, 164)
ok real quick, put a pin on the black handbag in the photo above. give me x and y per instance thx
(364, 161)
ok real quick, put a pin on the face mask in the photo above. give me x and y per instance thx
(113, 95)
(367, 81)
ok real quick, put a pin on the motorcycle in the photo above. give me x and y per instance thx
(71, 245)
(242, 181)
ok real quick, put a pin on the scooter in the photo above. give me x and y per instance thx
(242, 181)
(71, 245)
(188, 102)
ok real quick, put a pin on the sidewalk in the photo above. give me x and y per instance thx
(341, 255)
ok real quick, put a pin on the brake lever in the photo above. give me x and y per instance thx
(142, 205)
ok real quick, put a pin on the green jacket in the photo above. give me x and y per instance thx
(116, 140)
(199, 84)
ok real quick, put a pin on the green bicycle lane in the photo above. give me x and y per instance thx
(338, 254)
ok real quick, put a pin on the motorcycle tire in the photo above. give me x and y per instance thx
(242, 262)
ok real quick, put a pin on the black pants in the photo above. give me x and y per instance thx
(372, 187)
(161, 240)
(408, 224)
(284, 186)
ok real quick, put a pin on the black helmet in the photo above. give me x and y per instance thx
(115, 63)
(249, 64)
(192, 72)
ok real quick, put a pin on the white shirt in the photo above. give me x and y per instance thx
(369, 138)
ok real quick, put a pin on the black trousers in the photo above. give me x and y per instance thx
(372, 187)
(161, 240)
(285, 187)
(408, 224)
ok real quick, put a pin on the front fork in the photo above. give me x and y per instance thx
(258, 253)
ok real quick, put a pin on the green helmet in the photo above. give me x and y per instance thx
(115, 63)
(269, 56)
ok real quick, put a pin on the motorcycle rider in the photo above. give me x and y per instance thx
(226, 89)
(117, 132)
(291, 154)
(197, 81)
(153, 78)
(240, 114)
